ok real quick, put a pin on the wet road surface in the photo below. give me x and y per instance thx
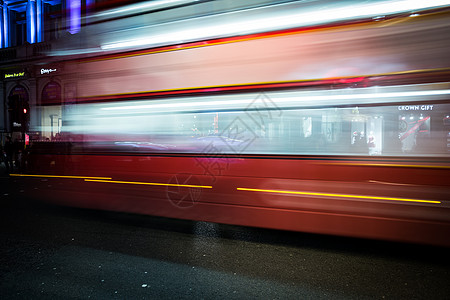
(51, 252)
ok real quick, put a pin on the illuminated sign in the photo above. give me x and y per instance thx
(14, 75)
(415, 107)
(47, 71)
(19, 91)
(51, 93)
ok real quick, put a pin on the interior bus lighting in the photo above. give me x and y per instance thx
(289, 99)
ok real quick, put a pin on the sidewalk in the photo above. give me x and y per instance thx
(3, 169)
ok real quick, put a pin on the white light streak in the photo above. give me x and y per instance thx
(139, 7)
(284, 21)
(294, 98)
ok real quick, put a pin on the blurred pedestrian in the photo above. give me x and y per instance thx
(9, 153)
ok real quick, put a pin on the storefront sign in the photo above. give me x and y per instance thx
(14, 75)
(415, 107)
(51, 93)
(19, 91)
(47, 71)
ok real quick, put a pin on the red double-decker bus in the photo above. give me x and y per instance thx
(341, 128)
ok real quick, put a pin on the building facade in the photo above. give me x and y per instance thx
(30, 78)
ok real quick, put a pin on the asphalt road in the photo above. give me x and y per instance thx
(51, 252)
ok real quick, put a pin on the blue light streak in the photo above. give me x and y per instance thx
(4, 30)
(31, 21)
(74, 16)
(1, 28)
(39, 20)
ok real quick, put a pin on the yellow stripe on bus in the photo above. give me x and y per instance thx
(151, 183)
(58, 176)
(336, 195)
